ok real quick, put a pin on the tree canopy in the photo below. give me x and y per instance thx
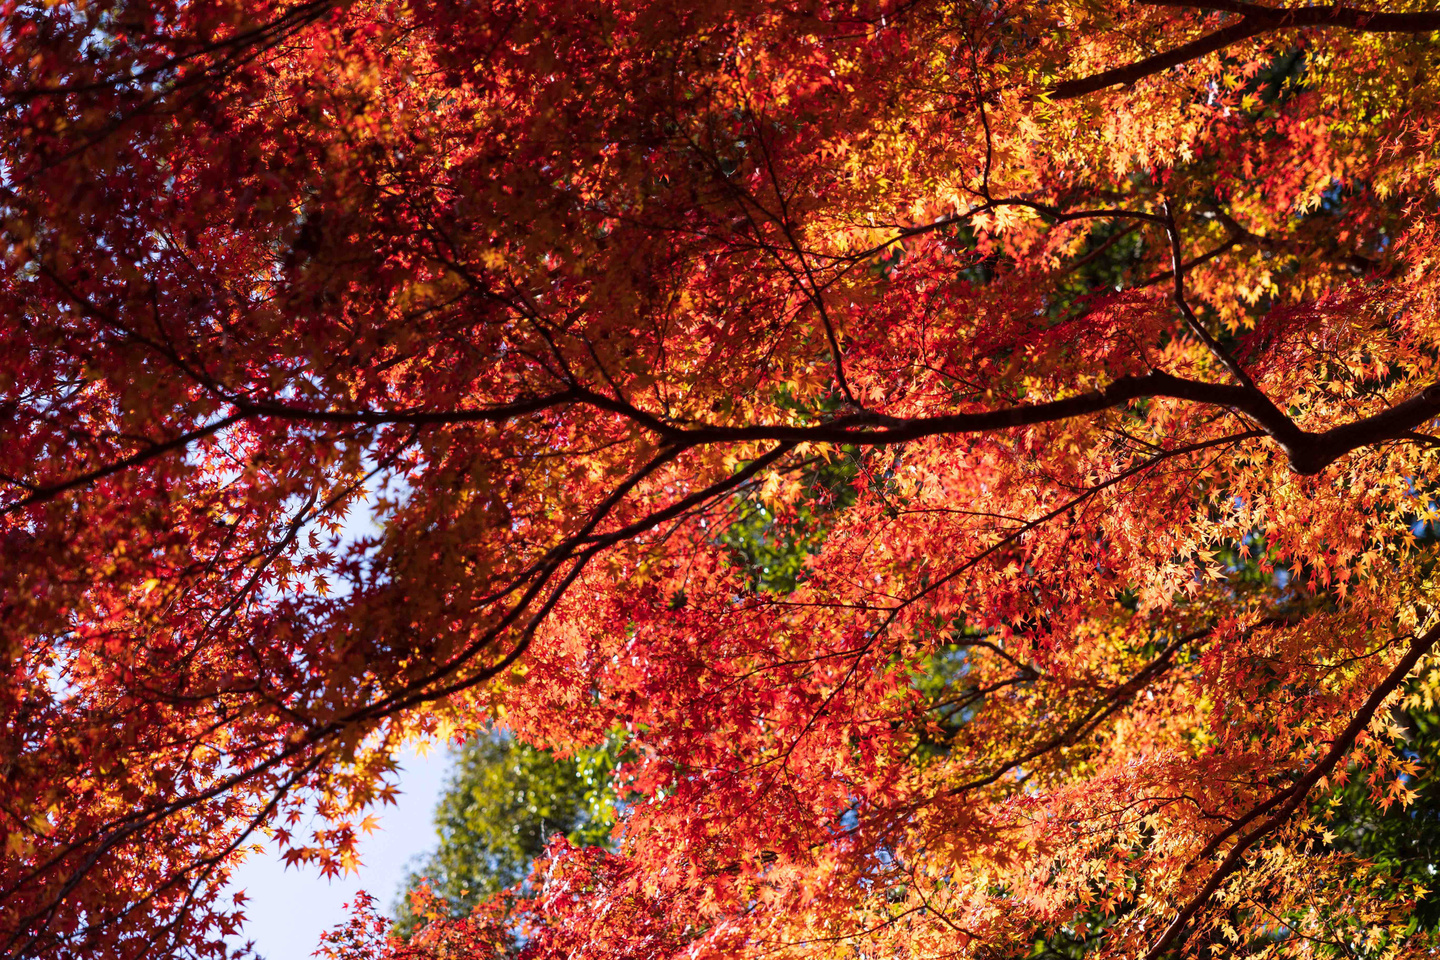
(971, 460)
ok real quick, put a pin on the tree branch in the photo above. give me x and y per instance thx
(1255, 20)
(1177, 930)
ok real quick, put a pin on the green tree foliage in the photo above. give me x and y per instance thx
(1401, 840)
(504, 801)
(771, 541)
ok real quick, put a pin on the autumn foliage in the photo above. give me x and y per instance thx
(973, 458)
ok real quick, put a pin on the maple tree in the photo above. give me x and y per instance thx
(969, 454)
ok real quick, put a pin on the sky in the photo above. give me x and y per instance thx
(289, 908)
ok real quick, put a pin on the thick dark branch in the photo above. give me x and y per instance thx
(418, 418)
(866, 428)
(1130, 73)
(51, 491)
(1182, 302)
(1256, 20)
(1340, 748)
(1348, 18)
(1308, 453)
